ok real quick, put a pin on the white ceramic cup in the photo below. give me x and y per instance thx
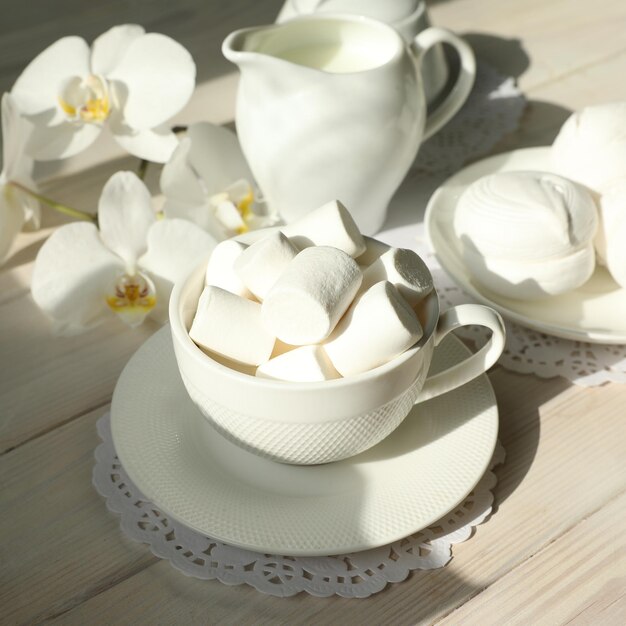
(408, 17)
(310, 423)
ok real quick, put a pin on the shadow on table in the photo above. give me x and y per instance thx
(505, 55)
(520, 425)
(199, 26)
(539, 125)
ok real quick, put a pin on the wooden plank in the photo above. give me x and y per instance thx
(540, 124)
(199, 26)
(564, 458)
(594, 84)
(59, 542)
(536, 506)
(48, 379)
(551, 104)
(558, 38)
(578, 579)
(537, 40)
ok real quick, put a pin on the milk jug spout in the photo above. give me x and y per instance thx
(250, 47)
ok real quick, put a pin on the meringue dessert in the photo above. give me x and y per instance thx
(527, 235)
(591, 146)
(611, 239)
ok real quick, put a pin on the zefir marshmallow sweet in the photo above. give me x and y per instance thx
(527, 235)
(611, 239)
(591, 146)
(311, 295)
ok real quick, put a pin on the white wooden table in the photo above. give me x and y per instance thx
(554, 552)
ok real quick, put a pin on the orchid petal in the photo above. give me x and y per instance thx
(72, 276)
(11, 221)
(217, 157)
(16, 131)
(26, 203)
(159, 75)
(175, 247)
(125, 215)
(37, 88)
(200, 214)
(17, 168)
(133, 298)
(230, 218)
(179, 181)
(109, 49)
(61, 141)
(154, 144)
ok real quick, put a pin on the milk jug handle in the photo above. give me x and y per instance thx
(464, 82)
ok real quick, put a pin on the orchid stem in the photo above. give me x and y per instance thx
(142, 169)
(57, 206)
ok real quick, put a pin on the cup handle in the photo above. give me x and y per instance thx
(474, 365)
(464, 82)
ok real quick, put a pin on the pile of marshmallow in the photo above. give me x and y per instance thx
(310, 302)
(527, 235)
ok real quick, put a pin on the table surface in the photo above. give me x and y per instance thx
(553, 553)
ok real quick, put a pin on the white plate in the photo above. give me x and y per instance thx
(595, 312)
(413, 478)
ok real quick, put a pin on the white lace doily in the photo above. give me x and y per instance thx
(493, 109)
(356, 575)
(529, 351)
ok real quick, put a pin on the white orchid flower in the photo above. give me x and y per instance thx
(16, 208)
(128, 81)
(207, 181)
(127, 267)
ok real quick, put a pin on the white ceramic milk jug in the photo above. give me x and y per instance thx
(332, 107)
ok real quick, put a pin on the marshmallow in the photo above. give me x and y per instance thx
(311, 295)
(306, 364)
(373, 250)
(611, 239)
(405, 270)
(260, 265)
(281, 348)
(231, 326)
(220, 271)
(329, 225)
(379, 326)
(250, 370)
(591, 146)
(527, 235)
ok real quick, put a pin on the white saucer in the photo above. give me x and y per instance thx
(410, 480)
(594, 312)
